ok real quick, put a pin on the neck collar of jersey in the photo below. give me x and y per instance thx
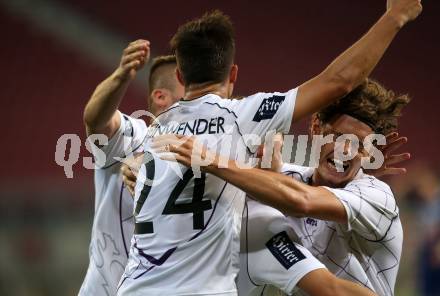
(306, 173)
(197, 99)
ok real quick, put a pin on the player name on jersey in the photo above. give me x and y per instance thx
(199, 126)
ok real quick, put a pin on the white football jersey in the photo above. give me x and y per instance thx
(365, 250)
(269, 255)
(113, 222)
(188, 223)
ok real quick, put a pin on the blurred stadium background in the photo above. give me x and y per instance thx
(54, 52)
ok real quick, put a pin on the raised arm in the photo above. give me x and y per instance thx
(100, 113)
(349, 69)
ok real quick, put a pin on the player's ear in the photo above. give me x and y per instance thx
(233, 74)
(179, 76)
(315, 125)
(158, 98)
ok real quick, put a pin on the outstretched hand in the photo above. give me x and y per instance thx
(388, 167)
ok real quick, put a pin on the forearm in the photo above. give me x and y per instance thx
(350, 288)
(284, 193)
(100, 112)
(274, 189)
(100, 115)
(348, 70)
(333, 285)
(357, 62)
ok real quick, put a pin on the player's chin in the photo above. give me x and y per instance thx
(336, 178)
(336, 181)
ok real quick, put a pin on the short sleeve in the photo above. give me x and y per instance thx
(370, 206)
(265, 112)
(128, 139)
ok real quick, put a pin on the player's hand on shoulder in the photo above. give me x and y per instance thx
(134, 57)
(129, 172)
(187, 150)
(174, 147)
(129, 178)
(404, 10)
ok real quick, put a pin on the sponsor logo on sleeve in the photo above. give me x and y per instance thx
(268, 108)
(282, 247)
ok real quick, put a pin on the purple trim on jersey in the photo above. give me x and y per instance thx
(292, 172)
(132, 136)
(262, 292)
(153, 260)
(235, 121)
(222, 107)
(122, 282)
(120, 220)
(246, 208)
(163, 112)
(150, 268)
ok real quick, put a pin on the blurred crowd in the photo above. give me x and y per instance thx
(419, 201)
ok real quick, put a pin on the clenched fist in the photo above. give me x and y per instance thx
(404, 10)
(133, 58)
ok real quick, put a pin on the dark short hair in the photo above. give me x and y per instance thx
(205, 48)
(370, 103)
(159, 73)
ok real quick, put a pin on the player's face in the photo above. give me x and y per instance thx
(327, 171)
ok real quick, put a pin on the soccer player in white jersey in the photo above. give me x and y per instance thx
(113, 223)
(306, 275)
(366, 248)
(367, 245)
(261, 265)
(187, 229)
(349, 220)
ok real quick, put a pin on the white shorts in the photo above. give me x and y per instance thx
(269, 255)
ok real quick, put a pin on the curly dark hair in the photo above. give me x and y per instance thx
(205, 48)
(370, 103)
